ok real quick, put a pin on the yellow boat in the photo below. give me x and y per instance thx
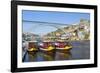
(32, 47)
(63, 46)
(47, 46)
(50, 48)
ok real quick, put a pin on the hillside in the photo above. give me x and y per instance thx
(80, 31)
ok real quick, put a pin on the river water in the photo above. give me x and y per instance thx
(80, 50)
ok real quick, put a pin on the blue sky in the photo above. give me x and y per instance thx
(49, 16)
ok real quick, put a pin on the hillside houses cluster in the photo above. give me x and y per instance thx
(80, 31)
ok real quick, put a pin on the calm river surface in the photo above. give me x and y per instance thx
(80, 50)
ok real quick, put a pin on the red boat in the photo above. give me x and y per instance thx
(63, 46)
(46, 46)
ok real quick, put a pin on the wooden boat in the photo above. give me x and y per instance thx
(32, 46)
(63, 46)
(46, 46)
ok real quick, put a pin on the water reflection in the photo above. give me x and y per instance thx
(62, 55)
(47, 56)
(80, 50)
(30, 57)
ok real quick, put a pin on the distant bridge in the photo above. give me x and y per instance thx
(55, 25)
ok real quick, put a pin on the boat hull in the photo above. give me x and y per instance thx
(32, 50)
(67, 49)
